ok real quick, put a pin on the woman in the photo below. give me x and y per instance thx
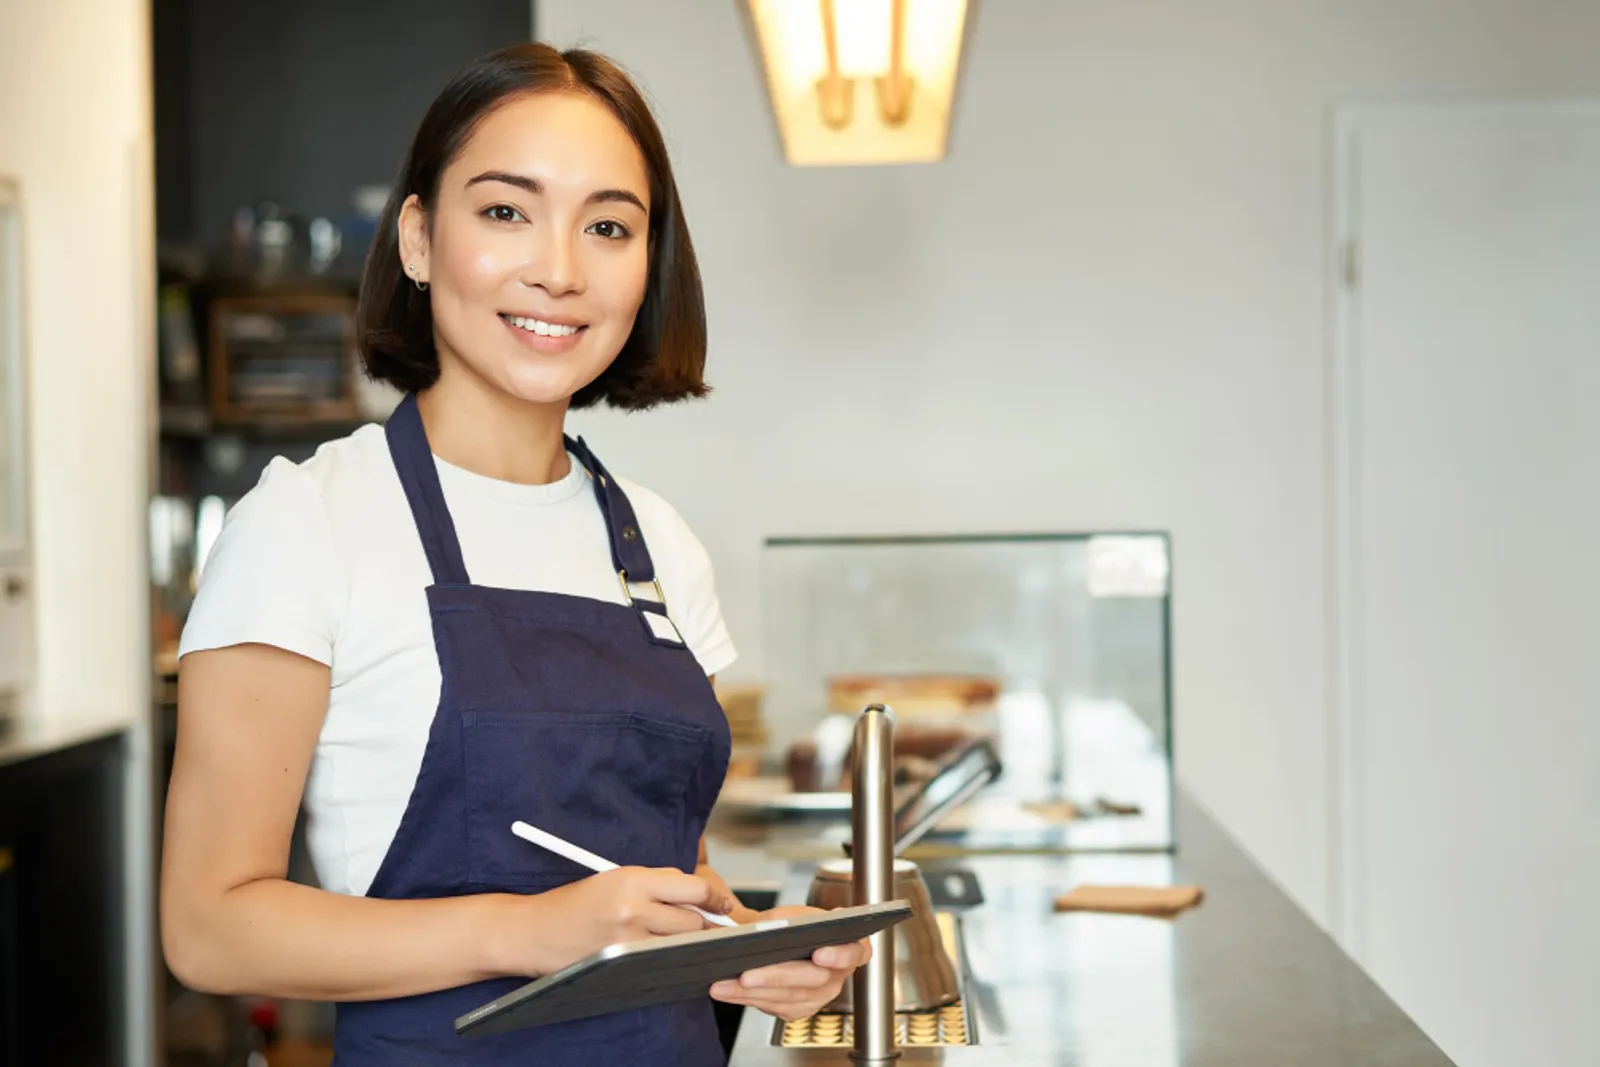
(433, 629)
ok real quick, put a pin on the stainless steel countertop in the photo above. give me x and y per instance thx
(1245, 980)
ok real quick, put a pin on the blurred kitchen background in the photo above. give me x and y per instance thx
(1215, 416)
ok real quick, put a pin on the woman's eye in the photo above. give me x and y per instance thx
(610, 229)
(503, 213)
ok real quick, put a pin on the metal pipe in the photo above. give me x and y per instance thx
(835, 92)
(872, 868)
(894, 88)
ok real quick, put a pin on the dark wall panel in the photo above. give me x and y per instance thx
(301, 101)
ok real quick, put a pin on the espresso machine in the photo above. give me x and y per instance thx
(908, 1002)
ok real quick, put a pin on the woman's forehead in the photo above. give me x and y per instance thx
(570, 143)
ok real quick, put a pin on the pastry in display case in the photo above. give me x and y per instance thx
(914, 694)
(742, 705)
(1054, 648)
(917, 751)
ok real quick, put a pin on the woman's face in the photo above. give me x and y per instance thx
(538, 250)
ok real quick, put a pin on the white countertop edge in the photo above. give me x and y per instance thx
(32, 739)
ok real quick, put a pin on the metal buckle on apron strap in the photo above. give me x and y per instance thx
(658, 625)
(627, 590)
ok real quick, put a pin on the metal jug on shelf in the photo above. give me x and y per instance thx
(924, 976)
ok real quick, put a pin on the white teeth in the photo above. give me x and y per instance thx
(540, 327)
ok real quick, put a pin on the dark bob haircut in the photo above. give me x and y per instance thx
(663, 358)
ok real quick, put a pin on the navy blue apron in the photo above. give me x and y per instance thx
(582, 717)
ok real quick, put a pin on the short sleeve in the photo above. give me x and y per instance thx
(691, 589)
(273, 576)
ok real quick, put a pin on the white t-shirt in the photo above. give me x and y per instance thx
(323, 559)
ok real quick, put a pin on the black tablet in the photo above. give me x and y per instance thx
(679, 967)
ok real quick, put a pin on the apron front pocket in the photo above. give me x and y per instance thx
(614, 783)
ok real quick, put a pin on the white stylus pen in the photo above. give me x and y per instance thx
(594, 863)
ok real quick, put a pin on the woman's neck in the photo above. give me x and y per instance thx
(474, 426)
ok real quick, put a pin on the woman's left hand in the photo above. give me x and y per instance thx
(799, 989)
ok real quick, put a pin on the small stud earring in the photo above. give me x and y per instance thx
(422, 286)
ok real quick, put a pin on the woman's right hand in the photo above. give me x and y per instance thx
(553, 929)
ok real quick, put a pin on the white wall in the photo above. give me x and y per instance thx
(1105, 309)
(75, 130)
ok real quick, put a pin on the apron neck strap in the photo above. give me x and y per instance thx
(413, 459)
(628, 552)
(419, 476)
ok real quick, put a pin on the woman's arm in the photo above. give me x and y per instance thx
(249, 717)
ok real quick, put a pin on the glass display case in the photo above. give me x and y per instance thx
(1054, 645)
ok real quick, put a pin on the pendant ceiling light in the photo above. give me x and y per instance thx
(861, 81)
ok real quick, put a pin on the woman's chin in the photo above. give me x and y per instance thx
(543, 389)
(534, 380)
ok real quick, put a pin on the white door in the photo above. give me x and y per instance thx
(1467, 535)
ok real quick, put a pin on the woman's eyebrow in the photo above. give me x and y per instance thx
(534, 186)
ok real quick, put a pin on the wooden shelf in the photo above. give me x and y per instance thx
(284, 362)
(287, 421)
(196, 421)
(185, 420)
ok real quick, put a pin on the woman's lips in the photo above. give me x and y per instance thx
(542, 335)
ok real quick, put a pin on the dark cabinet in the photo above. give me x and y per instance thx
(61, 899)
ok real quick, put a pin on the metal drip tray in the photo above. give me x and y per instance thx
(939, 1027)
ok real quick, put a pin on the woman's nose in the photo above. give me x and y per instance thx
(554, 265)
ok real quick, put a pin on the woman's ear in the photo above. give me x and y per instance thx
(413, 237)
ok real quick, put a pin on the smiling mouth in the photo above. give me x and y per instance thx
(542, 328)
